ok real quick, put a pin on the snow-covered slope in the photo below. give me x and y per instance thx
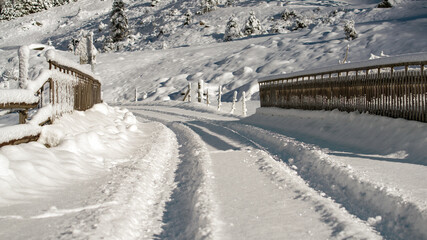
(197, 51)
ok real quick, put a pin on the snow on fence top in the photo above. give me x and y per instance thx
(20, 131)
(18, 96)
(51, 55)
(370, 64)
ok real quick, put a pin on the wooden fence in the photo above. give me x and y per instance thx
(397, 90)
(66, 89)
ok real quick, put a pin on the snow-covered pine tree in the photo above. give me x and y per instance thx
(188, 17)
(119, 22)
(232, 30)
(252, 25)
(385, 4)
(208, 5)
(350, 30)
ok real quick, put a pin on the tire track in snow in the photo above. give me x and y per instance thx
(342, 224)
(399, 219)
(281, 185)
(139, 189)
(190, 214)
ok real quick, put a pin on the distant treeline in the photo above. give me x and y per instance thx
(10, 9)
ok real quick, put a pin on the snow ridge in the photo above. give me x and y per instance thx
(398, 219)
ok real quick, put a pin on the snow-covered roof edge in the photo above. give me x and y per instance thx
(407, 58)
(51, 55)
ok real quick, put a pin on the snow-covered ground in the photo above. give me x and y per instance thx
(177, 170)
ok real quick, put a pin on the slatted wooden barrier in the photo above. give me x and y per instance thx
(397, 90)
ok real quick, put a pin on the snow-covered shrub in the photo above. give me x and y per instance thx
(208, 5)
(109, 44)
(119, 21)
(252, 25)
(229, 3)
(350, 30)
(102, 26)
(188, 17)
(300, 22)
(232, 30)
(384, 4)
(288, 15)
(85, 49)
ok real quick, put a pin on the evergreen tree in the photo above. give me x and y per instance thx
(385, 4)
(232, 31)
(188, 18)
(208, 5)
(252, 26)
(350, 30)
(119, 22)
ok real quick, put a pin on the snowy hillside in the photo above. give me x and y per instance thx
(197, 50)
(176, 170)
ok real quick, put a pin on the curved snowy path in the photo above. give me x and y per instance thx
(229, 187)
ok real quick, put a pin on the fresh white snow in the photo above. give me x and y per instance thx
(154, 169)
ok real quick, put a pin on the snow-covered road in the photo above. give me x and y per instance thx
(191, 172)
(252, 195)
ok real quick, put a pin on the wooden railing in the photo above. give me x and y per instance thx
(82, 94)
(66, 89)
(395, 89)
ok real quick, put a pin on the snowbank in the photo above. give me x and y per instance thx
(398, 138)
(83, 144)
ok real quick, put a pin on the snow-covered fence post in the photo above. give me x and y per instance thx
(91, 51)
(24, 55)
(233, 106)
(207, 95)
(244, 110)
(136, 94)
(189, 92)
(219, 97)
(200, 91)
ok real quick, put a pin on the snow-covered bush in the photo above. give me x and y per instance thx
(109, 44)
(119, 22)
(85, 49)
(232, 30)
(229, 3)
(188, 17)
(252, 25)
(208, 5)
(288, 15)
(350, 30)
(384, 4)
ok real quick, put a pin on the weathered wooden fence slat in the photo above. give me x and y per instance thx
(393, 90)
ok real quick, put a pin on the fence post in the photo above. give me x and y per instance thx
(207, 95)
(233, 106)
(244, 110)
(219, 97)
(200, 91)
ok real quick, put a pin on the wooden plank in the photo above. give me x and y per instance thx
(21, 140)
